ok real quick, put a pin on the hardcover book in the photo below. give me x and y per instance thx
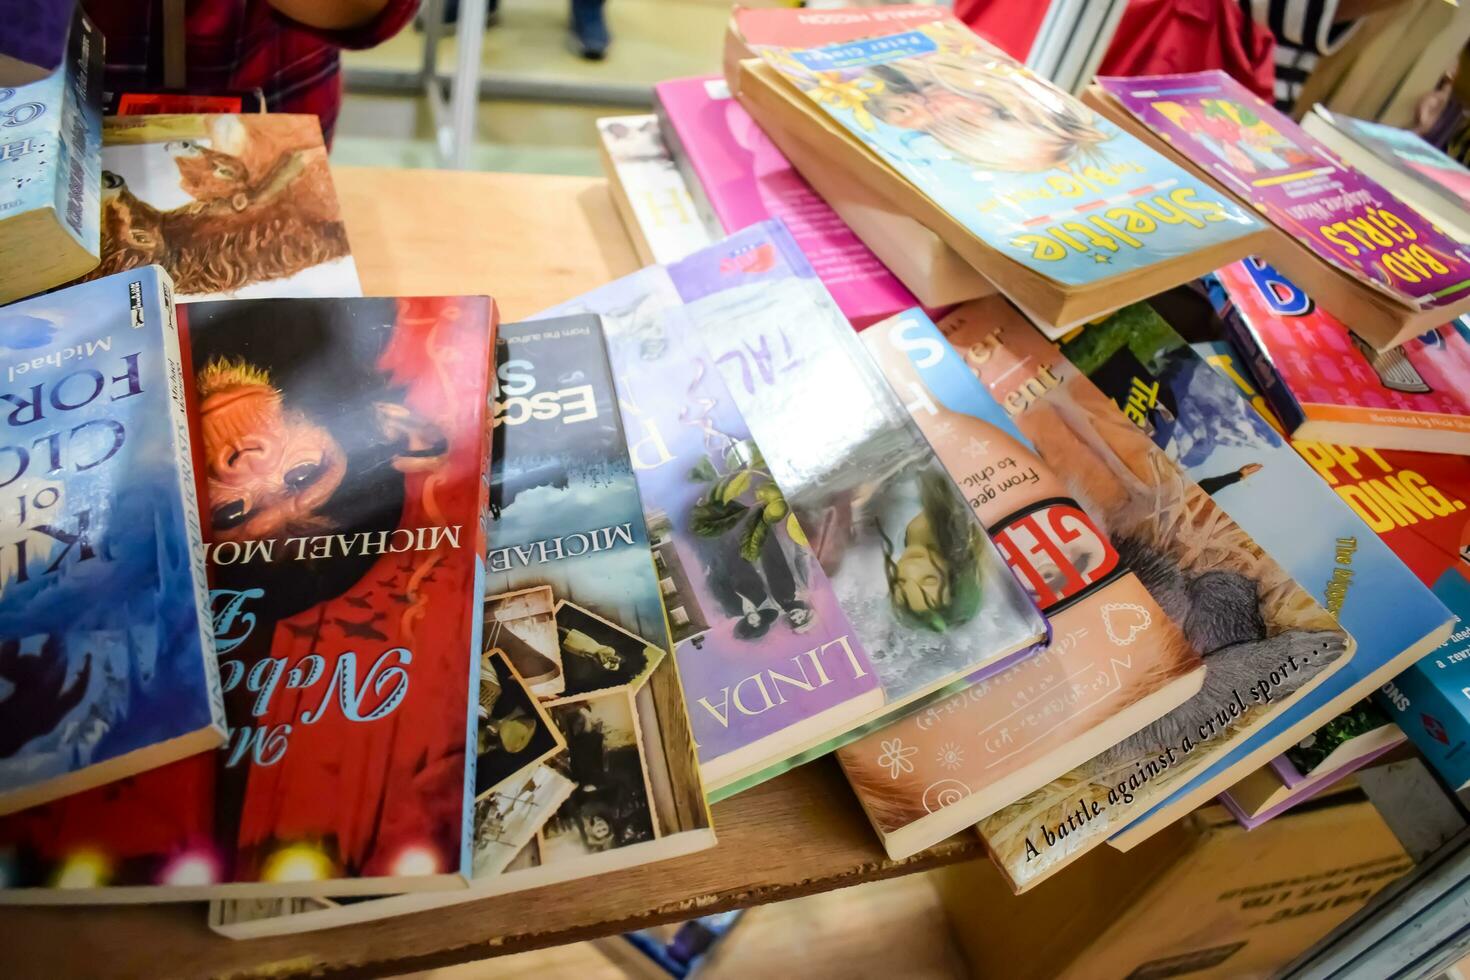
(1061, 210)
(1204, 424)
(342, 443)
(770, 666)
(651, 194)
(573, 604)
(738, 177)
(233, 206)
(1116, 661)
(108, 653)
(1362, 252)
(1264, 640)
(1326, 384)
(49, 166)
(1435, 184)
(929, 598)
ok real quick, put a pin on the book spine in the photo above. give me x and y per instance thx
(1437, 725)
(704, 208)
(184, 469)
(80, 136)
(1288, 410)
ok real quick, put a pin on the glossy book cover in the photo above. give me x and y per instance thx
(1024, 167)
(1116, 661)
(927, 594)
(1321, 372)
(1265, 641)
(745, 179)
(1342, 215)
(108, 654)
(768, 661)
(342, 444)
(1205, 424)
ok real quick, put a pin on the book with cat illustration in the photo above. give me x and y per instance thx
(1066, 214)
(1265, 641)
(343, 444)
(928, 597)
(769, 663)
(1327, 385)
(107, 656)
(1116, 661)
(1361, 252)
(233, 206)
(572, 602)
(1202, 422)
(49, 159)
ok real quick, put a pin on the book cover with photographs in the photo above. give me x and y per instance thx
(1116, 662)
(232, 206)
(1265, 641)
(769, 663)
(100, 504)
(1203, 423)
(343, 444)
(573, 605)
(926, 593)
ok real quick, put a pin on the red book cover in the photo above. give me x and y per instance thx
(342, 444)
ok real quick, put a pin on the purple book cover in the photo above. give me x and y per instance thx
(1304, 790)
(35, 34)
(747, 180)
(767, 659)
(1348, 219)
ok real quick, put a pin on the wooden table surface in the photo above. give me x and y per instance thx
(529, 241)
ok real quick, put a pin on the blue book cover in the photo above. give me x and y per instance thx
(107, 662)
(1205, 422)
(1021, 165)
(51, 172)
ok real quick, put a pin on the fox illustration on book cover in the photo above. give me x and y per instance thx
(341, 445)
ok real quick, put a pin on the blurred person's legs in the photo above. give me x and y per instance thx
(589, 36)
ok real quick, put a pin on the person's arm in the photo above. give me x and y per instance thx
(1320, 26)
(348, 23)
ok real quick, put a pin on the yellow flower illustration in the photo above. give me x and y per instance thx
(832, 91)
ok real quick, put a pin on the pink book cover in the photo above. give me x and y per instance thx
(747, 180)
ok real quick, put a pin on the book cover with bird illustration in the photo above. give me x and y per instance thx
(98, 492)
(927, 594)
(342, 445)
(1115, 664)
(768, 660)
(1203, 423)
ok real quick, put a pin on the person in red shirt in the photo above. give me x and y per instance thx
(286, 48)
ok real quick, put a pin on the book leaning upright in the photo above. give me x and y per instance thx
(1066, 214)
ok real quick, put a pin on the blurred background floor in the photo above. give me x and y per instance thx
(652, 40)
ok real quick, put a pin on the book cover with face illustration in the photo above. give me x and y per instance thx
(1346, 218)
(926, 592)
(342, 445)
(1021, 165)
(1116, 662)
(233, 206)
(768, 660)
(1265, 641)
(1202, 422)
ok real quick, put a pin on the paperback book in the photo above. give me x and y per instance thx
(107, 654)
(929, 598)
(651, 195)
(49, 162)
(1264, 640)
(1116, 661)
(770, 665)
(1326, 384)
(1435, 184)
(232, 206)
(572, 604)
(1205, 425)
(342, 443)
(738, 177)
(1358, 249)
(1062, 211)
(1413, 502)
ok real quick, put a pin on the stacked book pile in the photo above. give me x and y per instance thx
(327, 608)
